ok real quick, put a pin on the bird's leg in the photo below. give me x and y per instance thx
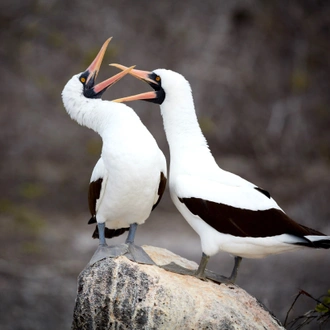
(233, 275)
(135, 252)
(101, 228)
(201, 273)
(204, 273)
(202, 265)
(103, 251)
(131, 233)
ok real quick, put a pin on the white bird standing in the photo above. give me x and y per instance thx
(130, 177)
(228, 212)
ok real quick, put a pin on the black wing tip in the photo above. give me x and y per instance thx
(92, 220)
(94, 192)
(263, 191)
(161, 189)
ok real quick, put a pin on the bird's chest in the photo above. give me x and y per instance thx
(126, 200)
(130, 187)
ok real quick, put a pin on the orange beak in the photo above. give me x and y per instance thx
(100, 87)
(94, 69)
(142, 75)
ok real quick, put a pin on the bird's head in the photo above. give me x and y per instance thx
(88, 77)
(151, 78)
(167, 85)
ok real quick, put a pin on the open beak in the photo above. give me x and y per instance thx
(102, 86)
(142, 75)
(94, 68)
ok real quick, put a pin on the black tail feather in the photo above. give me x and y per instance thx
(321, 244)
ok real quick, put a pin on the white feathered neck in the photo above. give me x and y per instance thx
(182, 129)
(96, 114)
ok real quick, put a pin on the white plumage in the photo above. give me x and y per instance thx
(228, 212)
(129, 178)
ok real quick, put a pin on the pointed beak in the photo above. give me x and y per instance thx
(94, 68)
(92, 90)
(102, 86)
(142, 75)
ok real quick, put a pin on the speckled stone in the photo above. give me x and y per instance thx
(120, 294)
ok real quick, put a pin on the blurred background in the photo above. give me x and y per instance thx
(259, 72)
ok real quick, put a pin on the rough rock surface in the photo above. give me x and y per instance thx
(120, 294)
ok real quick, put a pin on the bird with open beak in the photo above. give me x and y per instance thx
(129, 179)
(228, 212)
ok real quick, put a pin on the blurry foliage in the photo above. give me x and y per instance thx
(89, 54)
(207, 124)
(5, 206)
(22, 226)
(320, 314)
(299, 81)
(22, 218)
(56, 39)
(32, 247)
(324, 306)
(32, 190)
(94, 146)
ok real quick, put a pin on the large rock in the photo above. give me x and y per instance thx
(120, 294)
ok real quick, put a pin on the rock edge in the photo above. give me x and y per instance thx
(120, 294)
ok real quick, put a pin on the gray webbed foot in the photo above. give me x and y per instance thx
(175, 268)
(217, 277)
(137, 254)
(105, 251)
(207, 275)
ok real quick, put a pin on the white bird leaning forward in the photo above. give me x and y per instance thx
(228, 212)
(130, 177)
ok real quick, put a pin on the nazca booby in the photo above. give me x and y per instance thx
(130, 177)
(228, 212)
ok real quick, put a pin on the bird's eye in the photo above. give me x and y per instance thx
(83, 79)
(157, 78)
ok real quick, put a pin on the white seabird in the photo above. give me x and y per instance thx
(130, 177)
(228, 212)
